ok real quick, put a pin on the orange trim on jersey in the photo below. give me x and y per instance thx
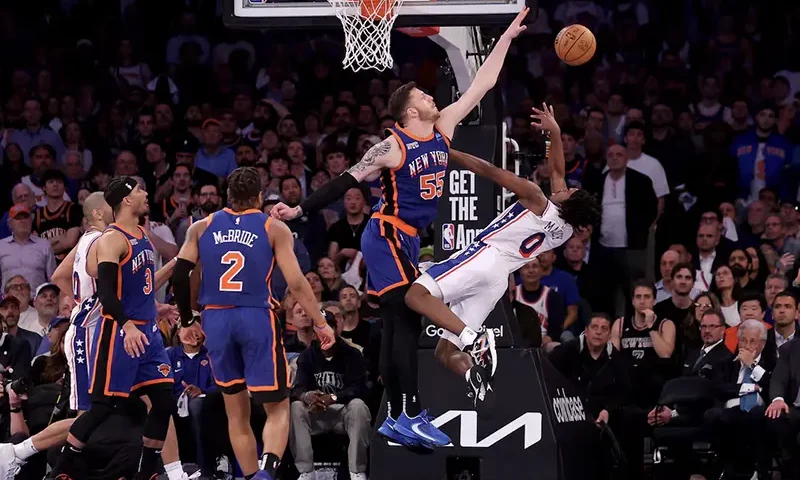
(442, 276)
(397, 222)
(152, 382)
(137, 235)
(57, 213)
(397, 261)
(135, 322)
(487, 237)
(227, 384)
(403, 151)
(273, 303)
(274, 386)
(243, 212)
(208, 219)
(97, 355)
(216, 307)
(412, 136)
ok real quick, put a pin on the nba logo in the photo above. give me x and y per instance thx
(448, 236)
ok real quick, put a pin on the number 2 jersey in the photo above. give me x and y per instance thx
(520, 235)
(237, 260)
(411, 191)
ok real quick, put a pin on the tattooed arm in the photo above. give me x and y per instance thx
(385, 154)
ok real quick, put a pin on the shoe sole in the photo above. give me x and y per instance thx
(485, 407)
(423, 442)
(492, 351)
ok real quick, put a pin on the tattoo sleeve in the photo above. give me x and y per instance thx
(378, 150)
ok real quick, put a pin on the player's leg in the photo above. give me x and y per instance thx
(170, 454)
(113, 374)
(228, 369)
(154, 379)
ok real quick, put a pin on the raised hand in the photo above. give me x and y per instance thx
(546, 119)
(516, 26)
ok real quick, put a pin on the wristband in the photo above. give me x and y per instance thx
(320, 327)
(15, 410)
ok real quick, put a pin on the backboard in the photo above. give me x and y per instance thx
(282, 14)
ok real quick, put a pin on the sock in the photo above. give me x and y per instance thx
(174, 470)
(148, 462)
(269, 463)
(467, 336)
(66, 463)
(25, 450)
(411, 405)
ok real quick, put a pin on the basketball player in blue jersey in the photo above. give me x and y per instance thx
(129, 352)
(411, 164)
(238, 249)
(474, 279)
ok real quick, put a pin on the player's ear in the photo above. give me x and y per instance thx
(260, 199)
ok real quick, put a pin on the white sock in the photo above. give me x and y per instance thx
(467, 336)
(25, 450)
(174, 470)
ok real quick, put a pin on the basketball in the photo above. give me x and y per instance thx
(575, 45)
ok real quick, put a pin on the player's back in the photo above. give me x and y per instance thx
(137, 276)
(411, 191)
(237, 260)
(520, 235)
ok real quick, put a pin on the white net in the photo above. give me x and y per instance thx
(367, 32)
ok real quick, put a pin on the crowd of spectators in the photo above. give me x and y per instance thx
(684, 124)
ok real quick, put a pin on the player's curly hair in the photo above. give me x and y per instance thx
(580, 209)
(244, 185)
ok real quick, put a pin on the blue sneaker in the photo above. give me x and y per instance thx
(387, 431)
(421, 429)
(262, 475)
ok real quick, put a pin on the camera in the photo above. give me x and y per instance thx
(20, 386)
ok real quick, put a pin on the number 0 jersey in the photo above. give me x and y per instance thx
(520, 235)
(411, 191)
(237, 260)
(135, 286)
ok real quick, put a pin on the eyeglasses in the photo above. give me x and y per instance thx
(19, 286)
(702, 305)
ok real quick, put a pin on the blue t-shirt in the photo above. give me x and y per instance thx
(221, 164)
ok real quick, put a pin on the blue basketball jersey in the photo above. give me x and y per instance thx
(412, 190)
(237, 260)
(136, 281)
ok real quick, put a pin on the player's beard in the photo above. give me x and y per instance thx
(430, 116)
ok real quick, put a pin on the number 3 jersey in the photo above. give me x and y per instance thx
(136, 280)
(237, 260)
(411, 191)
(520, 235)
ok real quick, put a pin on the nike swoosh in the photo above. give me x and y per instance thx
(178, 370)
(415, 429)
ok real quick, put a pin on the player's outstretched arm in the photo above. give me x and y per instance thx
(385, 154)
(188, 257)
(524, 189)
(283, 248)
(547, 123)
(484, 80)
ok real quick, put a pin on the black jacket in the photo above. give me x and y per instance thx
(605, 389)
(785, 381)
(713, 366)
(730, 386)
(641, 206)
(344, 375)
(15, 353)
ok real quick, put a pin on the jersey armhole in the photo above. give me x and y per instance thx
(445, 137)
(403, 152)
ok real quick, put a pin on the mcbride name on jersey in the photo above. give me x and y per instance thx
(412, 190)
(520, 235)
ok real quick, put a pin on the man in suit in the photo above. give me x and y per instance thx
(630, 208)
(739, 425)
(711, 362)
(709, 253)
(783, 413)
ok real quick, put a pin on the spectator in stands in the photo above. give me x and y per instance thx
(42, 160)
(23, 195)
(178, 205)
(213, 157)
(35, 133)
(46, 304)
(344, 236)
(353, 328)
(680, 305)
(9, 312)
(750, 233)
(644, 163)
(540, 310)
(125, 164)
(158, 182)
(331, 276)
(709, 255)
(739, 426)
(775, 235)
(752, 306)
(58, 221)
(630, 207)
(742, 265)
(278, 167)
(563, 284)
(23, 253)
(725, 287)
(15, 357)
(327, 397)
(776, 283)
(595, 366)
(784, 313)
(300, 337)
(762, 155)
(310, 228)
(207, 200)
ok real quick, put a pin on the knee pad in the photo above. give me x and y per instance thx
(163, 407)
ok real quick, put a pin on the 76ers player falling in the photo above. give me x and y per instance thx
(474, 279)
(411, 164)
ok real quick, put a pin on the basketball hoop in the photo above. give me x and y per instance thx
(367, 32)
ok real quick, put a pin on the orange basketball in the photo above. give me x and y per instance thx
(575, 45)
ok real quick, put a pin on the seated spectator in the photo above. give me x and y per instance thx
(739, 426)
(595, 366)
(679, 305)
(213, 156)
(23, 253)
(690, 330)
(752, 306)
(776, 283)
(327, 396)
(540, 310)
(565, 285)
(9, 317)
(46, 304)
(193, 380)
(344, 236)
(58, 221)
(300, 339)
(317, 286)
(21, 194)
(331, 276)
(20, 289)
(353, 327)
(42, 159)
(726, 288)
(669, 259)
(742, 265)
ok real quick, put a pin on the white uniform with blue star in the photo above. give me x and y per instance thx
(83, 320)
(475, 278)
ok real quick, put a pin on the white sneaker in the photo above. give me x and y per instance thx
(358, 476)
(9, 464)
(308, 476)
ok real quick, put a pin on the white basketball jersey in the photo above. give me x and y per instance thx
(83, 285)
(520, 235)
(539, 306)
